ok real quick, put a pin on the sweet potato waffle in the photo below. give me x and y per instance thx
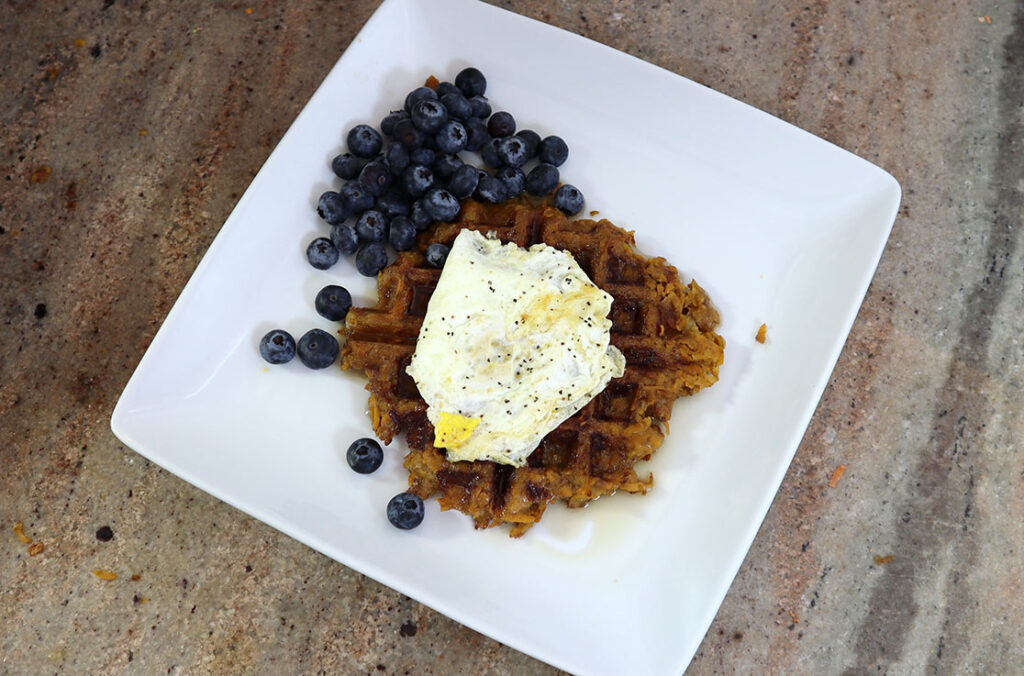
(664, 329)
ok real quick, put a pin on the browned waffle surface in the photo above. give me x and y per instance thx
(665, 329)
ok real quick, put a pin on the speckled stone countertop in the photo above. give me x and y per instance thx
(130, 129)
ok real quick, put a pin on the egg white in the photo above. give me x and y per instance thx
(516, 338)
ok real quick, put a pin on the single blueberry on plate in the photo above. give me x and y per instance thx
(333, 302)
(357, 199)
(532, 141)
(387, 125)
(371, 259)
(569, 199)
(452, 137)
(364, 141)
(436, 254)
(441, 205)
(417, 95)
(344, 238)
(397, 158)
(476, 134)
(317, 349)
(393, 203)
(481, 107)
(458, 105)
(428, 115)
(501, 124)
(424, 156)
(513, 180)
(444, 88)
(471, 81)
(372, 226)
(407, 134)
(553, 151)
(331, 207)
(277, 347)
(417, 179)
(364, 455)
(322, 253)
(445, 165)
(419, 216)
(375, 177)
(489, 154)
(512, 151)
(346, 166)
(542, 179)
(463, 182)
(402, 233)
(405, 511)
(490, 189)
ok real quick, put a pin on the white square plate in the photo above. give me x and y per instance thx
(778, 225)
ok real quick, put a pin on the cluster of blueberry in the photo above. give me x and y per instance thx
(405, 510)
(391, 193)
(317, 349)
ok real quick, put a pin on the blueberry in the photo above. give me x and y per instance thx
(277, 347)
(428, 142)
(372, 226)
(393, 203)
(553, 151)
(405, 511)
(371, 259)
(569, 199)
(417, 179)
(407, 134)
(513, 180)
(417, 95)
(441, 205)
(476, 134)
(331, 207)
(512, 151)
(357, 200)
(346, 166)
(419, 216)
(375, 177)
(387, 125)
(458, 105)
(428, 115)
(424, 156)
(445, 165)
(452, 137)
(463, 182)
(490, 189)
(364, 141)
(532, 141)
(436, 254)
(317, 349)
(542, 179)
(471, 81)
(322, 253)
(489, 154)
(397, 157)
(481, 107)
(344, 238)
(403, 233)
(444, 88)
(501, 124)
(333, 302)
(365, 455)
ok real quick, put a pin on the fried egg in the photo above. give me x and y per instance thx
(513, 343)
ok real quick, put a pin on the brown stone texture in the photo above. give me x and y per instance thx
(129, 129)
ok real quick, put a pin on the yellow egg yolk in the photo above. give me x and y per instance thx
(452, 429)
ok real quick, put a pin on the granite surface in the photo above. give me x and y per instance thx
(128, 130)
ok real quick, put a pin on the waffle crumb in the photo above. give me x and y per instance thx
(762, 333)
(665, 329)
